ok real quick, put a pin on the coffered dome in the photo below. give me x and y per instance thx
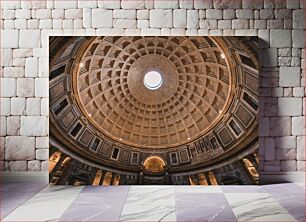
(191, 92)
(116, 102)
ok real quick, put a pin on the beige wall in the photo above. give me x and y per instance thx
(26, 26)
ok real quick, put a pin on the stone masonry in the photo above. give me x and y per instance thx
(27, 25)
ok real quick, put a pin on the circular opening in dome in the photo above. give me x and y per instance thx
(153, 80)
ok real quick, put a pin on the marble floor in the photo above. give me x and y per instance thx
(40, 202)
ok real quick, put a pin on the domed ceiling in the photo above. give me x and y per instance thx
(193, 92)
(199, 110)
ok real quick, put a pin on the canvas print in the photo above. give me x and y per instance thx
(146, 110)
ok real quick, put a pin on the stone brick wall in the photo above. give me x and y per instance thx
(26, 26)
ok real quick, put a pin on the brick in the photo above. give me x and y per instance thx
(252, 4)
(125, 23)
(298, 92)
(18, 166)
(293, 4)
(20, 63)
(33, 24)
(18, 106)
(284, 52)
(245, 14)
(13, 72)
(109, 4)
(298, 38)
(43, 13)
(132, 32)
(58, 13)
(87, 4)
(44, 106)
(266, 14)
(298, 126)
(288, 165)
(68, 24)
(66, 4)
(164, 4)
(20, 23)
(8, 87)
(22, 53)
(142, 23)
(33, 106)
(192, 19)
(270, 57)
(13, 125)
(269, 149)
(285, 142)
(290, 106)
(275, 24)
(45, 166)
(29, 38)
(87, 18)
(143, 14)
(42, 142)
(34, 165)
(8, 24)
(41, 87)
(240, 24)
(122, 13)
(25, 87)
(160, 18)
(31, 67)
(226, 4)
(132, 4)
(280, 126)
(20, 148)
(102, 18)
(179, 18)
(9, 39)
(73, 13)
(45, 24)
(229, 14)
(3, 132)
(5, 107)
(280, 38)
(8, 14)
(43, 68)
(301, 165)
(213, 14)
(283, 14)
(186, 4)
(264, 126)
(289, 76)
(208, 24)
(224, 24)
(33, 4)
(34, 126)
(285, 154)
(42, 154)
(10, 5)
(203, 4)
(301, 148)
(298, 19)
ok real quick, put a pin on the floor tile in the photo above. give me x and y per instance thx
(198, 189)
(97, 204)
(203, 207)
(149, 203)
(242, 189)
(22, 187)
(47, 205)
(283, 188)
(298, 212)
(257, 207)
(291, 199)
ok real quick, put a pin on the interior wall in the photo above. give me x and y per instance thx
(26, 26)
